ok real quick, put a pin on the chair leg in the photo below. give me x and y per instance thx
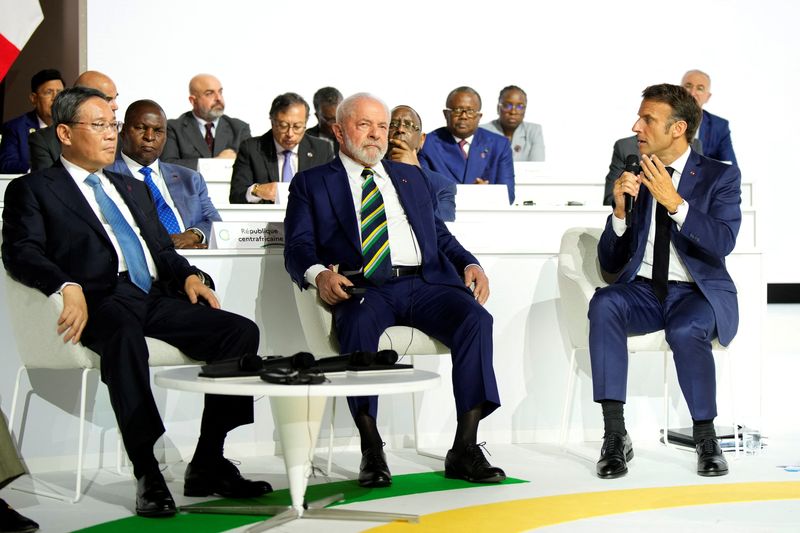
(568, 398)
(729, 365)
(330, 436)
(414, 416)
(14, 401)
(666, 400)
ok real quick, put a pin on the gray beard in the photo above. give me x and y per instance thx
(362, 154)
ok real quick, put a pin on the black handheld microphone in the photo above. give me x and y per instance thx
(632, 166)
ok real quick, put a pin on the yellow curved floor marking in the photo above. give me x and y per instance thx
(524, 515)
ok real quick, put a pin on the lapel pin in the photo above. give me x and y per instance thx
(404, 180)
(310, 154)
(692, 173)
(31, 130)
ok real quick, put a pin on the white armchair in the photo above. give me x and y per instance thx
(579, 275)
(33, 321)
(316, 321)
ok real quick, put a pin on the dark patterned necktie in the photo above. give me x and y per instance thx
(165, 213)
(661, 250)
(210, 137)
(461, 144)
(374, 231)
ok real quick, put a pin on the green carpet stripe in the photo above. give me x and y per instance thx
(402, 485)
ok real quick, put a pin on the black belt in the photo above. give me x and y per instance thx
(670, 282)
(396, 272)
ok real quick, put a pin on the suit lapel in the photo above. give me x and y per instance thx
(175, 186)
(453, 159)
(406, 192)
(305, 154)
(478, 154)
(223, 136)
(690, 175)
(66, 191)
(270, 156)
(192, 132)
(341, 198)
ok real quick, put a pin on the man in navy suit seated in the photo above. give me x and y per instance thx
(671, 275)
(465, 153)
(714, 132)
(405, 141)
(180, 194)
(15, 156)
(365, 221)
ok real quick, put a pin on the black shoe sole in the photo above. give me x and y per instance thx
(492, 479)
(712, 473)
(196, 492)
(161, 513)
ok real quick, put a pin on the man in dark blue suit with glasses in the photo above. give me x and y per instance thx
(465, 153)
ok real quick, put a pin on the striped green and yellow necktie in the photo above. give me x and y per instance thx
(374, 231)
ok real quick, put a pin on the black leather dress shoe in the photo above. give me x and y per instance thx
(470, 464)
(710, 461)
(617, 450)
(374, 472)
(222, 478)
(153, 499)
(13, 522)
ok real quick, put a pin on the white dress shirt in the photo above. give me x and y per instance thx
(403, 243)
(79, 175)
(677, 269)
(468, 143)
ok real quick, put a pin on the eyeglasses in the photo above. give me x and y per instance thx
(471, 113)
(141, 130)
(507, 106)
(283, 127)
(407, 124)
(101, 127)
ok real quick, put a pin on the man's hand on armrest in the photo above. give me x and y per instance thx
(194, 289)
(475, 274)
(75, 314)
(329, 284)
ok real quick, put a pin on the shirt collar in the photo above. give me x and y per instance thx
(134, 166)
(468, 139)
(281, 149)
(203, 121)
(354, 168)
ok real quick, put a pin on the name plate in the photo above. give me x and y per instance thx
(215, 169)
(246, 235)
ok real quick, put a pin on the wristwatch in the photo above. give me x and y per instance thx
(254, 189)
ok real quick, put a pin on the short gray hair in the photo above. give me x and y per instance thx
(345, 108)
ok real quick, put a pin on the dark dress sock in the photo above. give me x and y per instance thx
(702, 430)
(143, 461)
(368, 430)
(467, 428)
(613, 417)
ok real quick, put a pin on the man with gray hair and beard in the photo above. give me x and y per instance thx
(365, 223)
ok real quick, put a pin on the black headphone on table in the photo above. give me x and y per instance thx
(289, 376)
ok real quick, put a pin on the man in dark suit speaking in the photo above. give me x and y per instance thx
(360, 220)
(671, 275)
(278, 154)
(95, 237)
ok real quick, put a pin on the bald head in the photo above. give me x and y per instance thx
(205, 95)
(97, 80)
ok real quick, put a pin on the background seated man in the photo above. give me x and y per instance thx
(372, 221)
(671, 275)
(95, 237)
(180, 194)
(44, 146)
(325, 102)
(278, 154)
(405, 140)
(714, 132)
(205, 131)
(465, 153)
(15, 157)
(527, 140)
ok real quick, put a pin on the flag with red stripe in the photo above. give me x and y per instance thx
(18, 20)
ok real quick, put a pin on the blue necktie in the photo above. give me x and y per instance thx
(374, 231)
(128, 241)
(287, 174)
(165, 213)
